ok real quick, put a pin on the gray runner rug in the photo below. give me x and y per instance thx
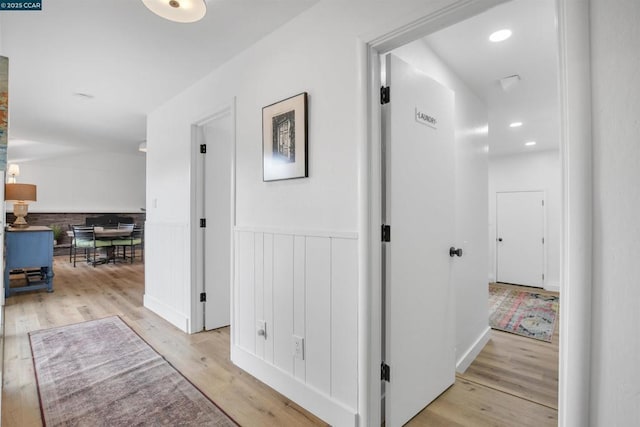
(101, 373)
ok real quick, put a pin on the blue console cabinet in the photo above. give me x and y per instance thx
(29, 249)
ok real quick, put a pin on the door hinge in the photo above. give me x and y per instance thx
(543, 203)
(386, 233)
(543, 277)
(203, 148)
(203, 297)
(203, 222)
(385, 372)
(385, 95)
(543, 240)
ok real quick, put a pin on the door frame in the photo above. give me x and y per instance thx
(196, 169)
(576, 170)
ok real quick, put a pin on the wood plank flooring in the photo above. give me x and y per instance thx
(511, 383)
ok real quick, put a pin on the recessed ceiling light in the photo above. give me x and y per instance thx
(515, 125)
(500, 35)
(530, 143)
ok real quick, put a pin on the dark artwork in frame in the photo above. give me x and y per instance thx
(284, 139)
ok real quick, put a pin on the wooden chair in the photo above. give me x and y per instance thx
(85, 238)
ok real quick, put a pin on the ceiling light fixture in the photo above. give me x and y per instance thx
(515, 125)
(184, 11)
(500, 35)
(530, 143)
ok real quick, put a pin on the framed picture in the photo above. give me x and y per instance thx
(284, 139)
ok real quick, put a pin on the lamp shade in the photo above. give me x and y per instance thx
(20, 192)
(184, 11)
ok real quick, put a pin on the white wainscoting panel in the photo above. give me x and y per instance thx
(344, 322)
(259, 289)
(302, 285)
(318, 268)
(283, 302)
(246, 292)
(167, 290)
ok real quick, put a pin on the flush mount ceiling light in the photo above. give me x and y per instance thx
(515, 125)
(500, 35)
(184, 11)
(530, 143)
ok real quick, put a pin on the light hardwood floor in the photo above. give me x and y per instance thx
(512, 382)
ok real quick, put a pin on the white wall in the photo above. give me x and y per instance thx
(317, 52)
(471, 172)
(85, 181)
(615, 382)
(534, 171)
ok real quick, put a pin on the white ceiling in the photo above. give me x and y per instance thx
(131, 61)
(531, 52)
(127, 58)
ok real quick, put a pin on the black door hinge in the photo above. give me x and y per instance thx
(385, 95)
(203, 297)
(203, 148)
(386, 233)
(385, 372)
(203, 222)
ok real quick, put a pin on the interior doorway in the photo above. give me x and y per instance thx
(572, 20)
(213, 218)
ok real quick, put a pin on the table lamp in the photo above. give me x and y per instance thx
(20, 194)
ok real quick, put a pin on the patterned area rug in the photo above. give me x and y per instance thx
(524, 313)
(101, 373)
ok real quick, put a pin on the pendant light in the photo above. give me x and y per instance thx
(184, 11)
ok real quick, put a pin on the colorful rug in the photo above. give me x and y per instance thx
(524, 313)
(101, 373)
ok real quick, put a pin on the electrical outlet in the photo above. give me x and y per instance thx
(298, 347)
(261, 328)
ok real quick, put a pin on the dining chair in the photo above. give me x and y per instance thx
(85, 238)
(124, 241)
(70, 233)
(137, 239)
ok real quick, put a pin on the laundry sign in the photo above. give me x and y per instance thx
(425, 118)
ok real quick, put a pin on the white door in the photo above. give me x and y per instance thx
(419, 161)
(520, 237)
(216, 177)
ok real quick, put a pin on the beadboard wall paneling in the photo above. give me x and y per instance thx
(306, 286)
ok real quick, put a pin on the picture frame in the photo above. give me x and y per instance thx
(284, 139)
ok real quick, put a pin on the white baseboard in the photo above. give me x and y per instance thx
(179, 320)
(314, 401)
(469, 356)
(552, 287)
